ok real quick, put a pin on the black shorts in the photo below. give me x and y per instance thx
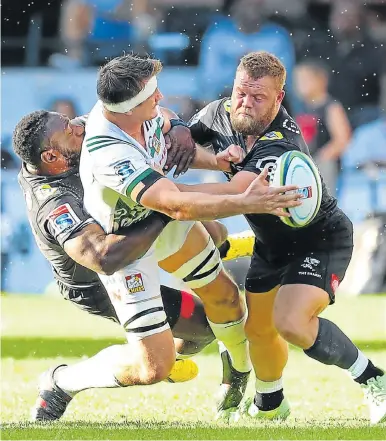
(93, 300)
(96, 301)
(321, 263)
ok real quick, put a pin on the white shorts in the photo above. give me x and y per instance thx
(135, 289)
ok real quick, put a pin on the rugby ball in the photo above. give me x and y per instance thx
(296, 168)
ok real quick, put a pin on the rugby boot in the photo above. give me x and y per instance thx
(282, 412)
(183, 370)
(52, 401)
(239, 245)
(232, 390)
(375, 397)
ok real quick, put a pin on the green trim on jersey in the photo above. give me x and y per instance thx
(99, 142)
(137, 180)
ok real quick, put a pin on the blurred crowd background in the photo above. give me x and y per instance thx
(334, 52)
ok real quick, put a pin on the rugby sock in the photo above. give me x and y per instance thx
(370, 371)
(332, 346)
(269, 394)
(97, 371)
(233, 337)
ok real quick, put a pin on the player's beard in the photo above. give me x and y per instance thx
(247, 125)
(73, 159)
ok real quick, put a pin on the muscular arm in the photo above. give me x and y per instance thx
(165, 196)
(238, 184)
(106, 254)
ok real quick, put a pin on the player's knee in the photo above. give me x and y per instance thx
(258, 333)
(289, 327)
(155, 373)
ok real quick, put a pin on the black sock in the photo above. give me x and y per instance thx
(371, 371)
(224, 248)
(268, 401)
(332, 346)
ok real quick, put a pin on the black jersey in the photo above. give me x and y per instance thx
(212, 126)
(55, 212)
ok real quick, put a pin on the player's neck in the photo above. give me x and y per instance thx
(129, 124)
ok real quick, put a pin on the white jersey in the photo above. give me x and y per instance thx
(116, 170)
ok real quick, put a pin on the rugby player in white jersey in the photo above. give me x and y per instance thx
(121, 169)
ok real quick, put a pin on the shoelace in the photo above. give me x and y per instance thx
(374, 392)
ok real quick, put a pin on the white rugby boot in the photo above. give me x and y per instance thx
(375, 397)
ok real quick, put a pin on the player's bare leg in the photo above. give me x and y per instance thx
(141, 362)
(296, 311)
(197, 263)
(269, 355)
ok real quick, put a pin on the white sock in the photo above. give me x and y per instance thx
(267, 387)
(359, 366)
(233, 337)
(97, 371)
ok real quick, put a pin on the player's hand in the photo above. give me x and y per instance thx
(261, 198)
(233, 154)
(181, 150)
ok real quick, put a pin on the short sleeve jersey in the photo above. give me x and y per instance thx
(212, 126)
(56, 212)
(116, 170)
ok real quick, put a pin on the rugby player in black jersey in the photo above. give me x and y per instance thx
(77, 247)
(294, 272)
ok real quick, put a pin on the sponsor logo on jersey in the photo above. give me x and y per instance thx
(268, 161)
(334, 282)
(63, 218)
(134, 283)
(291, 126)
(124, 169)
(271, 136)
(44, 191)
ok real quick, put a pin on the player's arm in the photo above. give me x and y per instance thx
(65, 221)
(135, 179)
(243, 179)
(106, 254)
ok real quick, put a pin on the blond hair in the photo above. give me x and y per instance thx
(263, 64)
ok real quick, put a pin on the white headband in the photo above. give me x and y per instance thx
(143, 95)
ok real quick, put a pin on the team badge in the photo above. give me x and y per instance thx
(271, 136)
(134, 283)
(155, 146)
(227, 105)
(63, 218)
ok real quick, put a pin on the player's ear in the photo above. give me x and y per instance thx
(49, 156)
(281, 96)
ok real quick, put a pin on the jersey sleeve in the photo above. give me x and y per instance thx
(266, 156)
(63, 216)
(201, 124)
(122, 167)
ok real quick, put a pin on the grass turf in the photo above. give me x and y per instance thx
(41, 332)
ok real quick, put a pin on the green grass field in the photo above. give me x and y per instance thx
(39, 332)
